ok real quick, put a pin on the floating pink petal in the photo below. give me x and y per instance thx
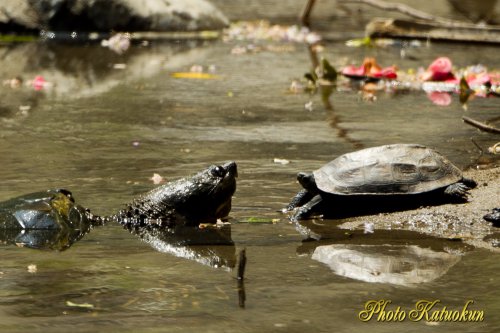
(370, 68)
(353, 70)
(439, 70)
(38, 82)
(478, 79)
(440, 98)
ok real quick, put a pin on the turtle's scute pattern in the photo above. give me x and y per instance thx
(391, 169)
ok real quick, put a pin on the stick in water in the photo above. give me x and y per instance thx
(242, 261)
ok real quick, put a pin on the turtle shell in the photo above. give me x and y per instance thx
(390, 169)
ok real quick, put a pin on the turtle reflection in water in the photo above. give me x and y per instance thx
(44, 220)
(381, 178)
(180, 217)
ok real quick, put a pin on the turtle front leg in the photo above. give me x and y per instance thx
(306, 210)
(458, 191)
(469, 182)
(301, 198)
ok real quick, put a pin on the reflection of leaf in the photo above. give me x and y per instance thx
(259, 220)
(194, 75)
(465, 91)
(329, 72)
(80, 305)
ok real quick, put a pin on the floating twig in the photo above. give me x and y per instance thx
(242, 261)
(306, 13)
(480, 125)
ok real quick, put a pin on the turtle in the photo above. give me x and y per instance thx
(379, 174)
(201, 198)
(44, 220)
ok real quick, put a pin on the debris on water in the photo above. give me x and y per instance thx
(119, 66)
(328, 72)
(309, 106)
(296, 87)
(14, 83)
(369, 228)
(263, 30)
(118, 43)
(194, 75)
(264, 220)
(440, 98)
(242, 261)
(370, 69)
(252, 49)
(495, 149)
(196, 69)
(281, 161)
(39, 83)
(24, 108)
(80, 305)
(439, 70)
(32, 269)
(157, 179)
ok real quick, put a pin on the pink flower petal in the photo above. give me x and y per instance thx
(440, 98)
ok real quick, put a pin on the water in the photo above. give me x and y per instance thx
(103, 131)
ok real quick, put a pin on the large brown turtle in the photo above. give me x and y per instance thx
(391, 171)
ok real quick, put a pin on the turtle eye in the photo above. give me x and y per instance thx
(218, 171)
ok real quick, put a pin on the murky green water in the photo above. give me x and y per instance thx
(103, 131)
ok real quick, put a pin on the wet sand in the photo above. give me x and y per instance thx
(455, 221)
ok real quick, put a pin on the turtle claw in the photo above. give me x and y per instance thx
(458, 191)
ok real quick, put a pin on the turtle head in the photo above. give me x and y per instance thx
(307, 181)
(213, 190)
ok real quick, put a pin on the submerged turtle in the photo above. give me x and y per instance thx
(48, 219)
(401, 170)
(202, 198)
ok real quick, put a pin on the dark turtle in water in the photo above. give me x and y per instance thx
(202, 198)
(379, 174)
(48, 219)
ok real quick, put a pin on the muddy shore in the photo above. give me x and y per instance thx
(454, 221)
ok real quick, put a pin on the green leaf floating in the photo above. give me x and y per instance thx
(259, 220)
(465, 91)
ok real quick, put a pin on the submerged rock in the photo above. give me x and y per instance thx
(108, 15)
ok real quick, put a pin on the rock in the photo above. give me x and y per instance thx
(110, 15)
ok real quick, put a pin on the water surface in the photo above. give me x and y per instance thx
(103, 131)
